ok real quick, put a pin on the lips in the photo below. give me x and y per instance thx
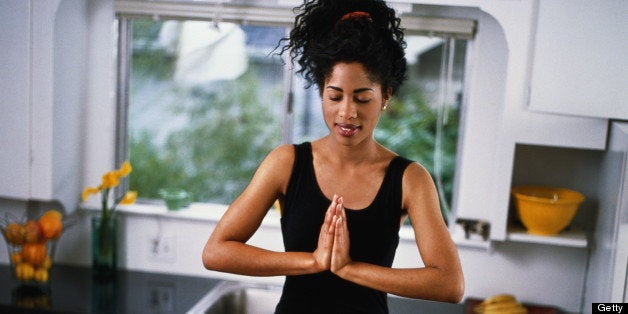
(347, 129)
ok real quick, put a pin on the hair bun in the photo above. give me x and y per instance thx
(326, 32)
(356, 15)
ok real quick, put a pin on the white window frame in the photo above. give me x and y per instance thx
(264, 16)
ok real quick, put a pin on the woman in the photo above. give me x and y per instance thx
(343, 196)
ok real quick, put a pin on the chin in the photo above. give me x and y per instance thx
(348, 141)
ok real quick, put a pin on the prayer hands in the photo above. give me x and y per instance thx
(333, 241)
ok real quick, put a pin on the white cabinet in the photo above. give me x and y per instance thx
(496, 120)
(42, 70)
(607, 273)
(15, 98)
(579, 60)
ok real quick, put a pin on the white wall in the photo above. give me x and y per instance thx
(43, 87)
(69, 92)
(14, 96)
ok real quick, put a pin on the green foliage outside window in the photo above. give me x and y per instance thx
(230, 128)
(408, 127)
(216, 153)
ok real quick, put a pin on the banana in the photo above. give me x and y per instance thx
(500, 304)
(519, 310)
(504, 297)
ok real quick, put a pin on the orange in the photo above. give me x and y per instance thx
(40, 275)
(16, 257)
(51, 226)
(15, 233)
(32, 231)
(24, 271)
(34, 253)
(53, 213)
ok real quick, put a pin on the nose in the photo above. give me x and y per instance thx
(347, 109)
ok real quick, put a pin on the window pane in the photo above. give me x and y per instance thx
(204, 106)
(421, 122)
(308, 120)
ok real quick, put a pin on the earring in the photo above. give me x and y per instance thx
(384, 107)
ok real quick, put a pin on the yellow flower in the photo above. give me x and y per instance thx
(129, 198)
(125, 169)
(89, 191)
(110, 179)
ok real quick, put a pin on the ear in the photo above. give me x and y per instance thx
(386, 95)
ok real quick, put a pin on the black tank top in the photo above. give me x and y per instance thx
(373, 232)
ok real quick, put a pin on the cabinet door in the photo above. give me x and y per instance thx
(607, 263)
(15, 121)
(579, 63)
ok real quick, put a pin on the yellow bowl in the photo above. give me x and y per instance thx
(546, 210)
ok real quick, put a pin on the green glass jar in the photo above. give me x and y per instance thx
(104, 246)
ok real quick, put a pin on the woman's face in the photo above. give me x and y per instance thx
(352, 103)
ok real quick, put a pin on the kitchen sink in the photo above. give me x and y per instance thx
(230, 297)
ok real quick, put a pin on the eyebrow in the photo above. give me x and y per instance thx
(357, 90)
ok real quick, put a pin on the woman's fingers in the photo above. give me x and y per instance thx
(342, 233)
(340, 252)
(322, 254)
(329, 216)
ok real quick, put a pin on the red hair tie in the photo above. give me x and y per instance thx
(356, 15)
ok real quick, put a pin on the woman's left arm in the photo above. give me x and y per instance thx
(441, 277)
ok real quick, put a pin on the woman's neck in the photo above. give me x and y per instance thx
(365, 151)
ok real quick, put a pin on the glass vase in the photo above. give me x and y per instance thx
(30, 253)
(104, 246)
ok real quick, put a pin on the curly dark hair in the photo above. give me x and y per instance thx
(321, 38)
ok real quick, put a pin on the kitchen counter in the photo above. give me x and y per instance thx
(72, 289)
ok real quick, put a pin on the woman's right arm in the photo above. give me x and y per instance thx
(227, 251)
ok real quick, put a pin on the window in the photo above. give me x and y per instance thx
(206, 100)
(204, 105)
(422, 121)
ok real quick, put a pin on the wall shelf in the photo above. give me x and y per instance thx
(573, 237)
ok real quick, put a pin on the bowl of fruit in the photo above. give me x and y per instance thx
(31, 244)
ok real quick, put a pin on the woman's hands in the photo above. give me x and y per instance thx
(322, 254)
(332, 252)
(340, 252)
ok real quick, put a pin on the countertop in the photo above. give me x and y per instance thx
(73, 289)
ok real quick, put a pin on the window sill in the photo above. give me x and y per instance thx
(195, 211)
(213, 212)
(204, 212)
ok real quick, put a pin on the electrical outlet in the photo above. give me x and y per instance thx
(162, 249)
(161, 297)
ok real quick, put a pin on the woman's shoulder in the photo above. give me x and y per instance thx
(276, 168)
(282, 154)
(416, 170)
(416, 178)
